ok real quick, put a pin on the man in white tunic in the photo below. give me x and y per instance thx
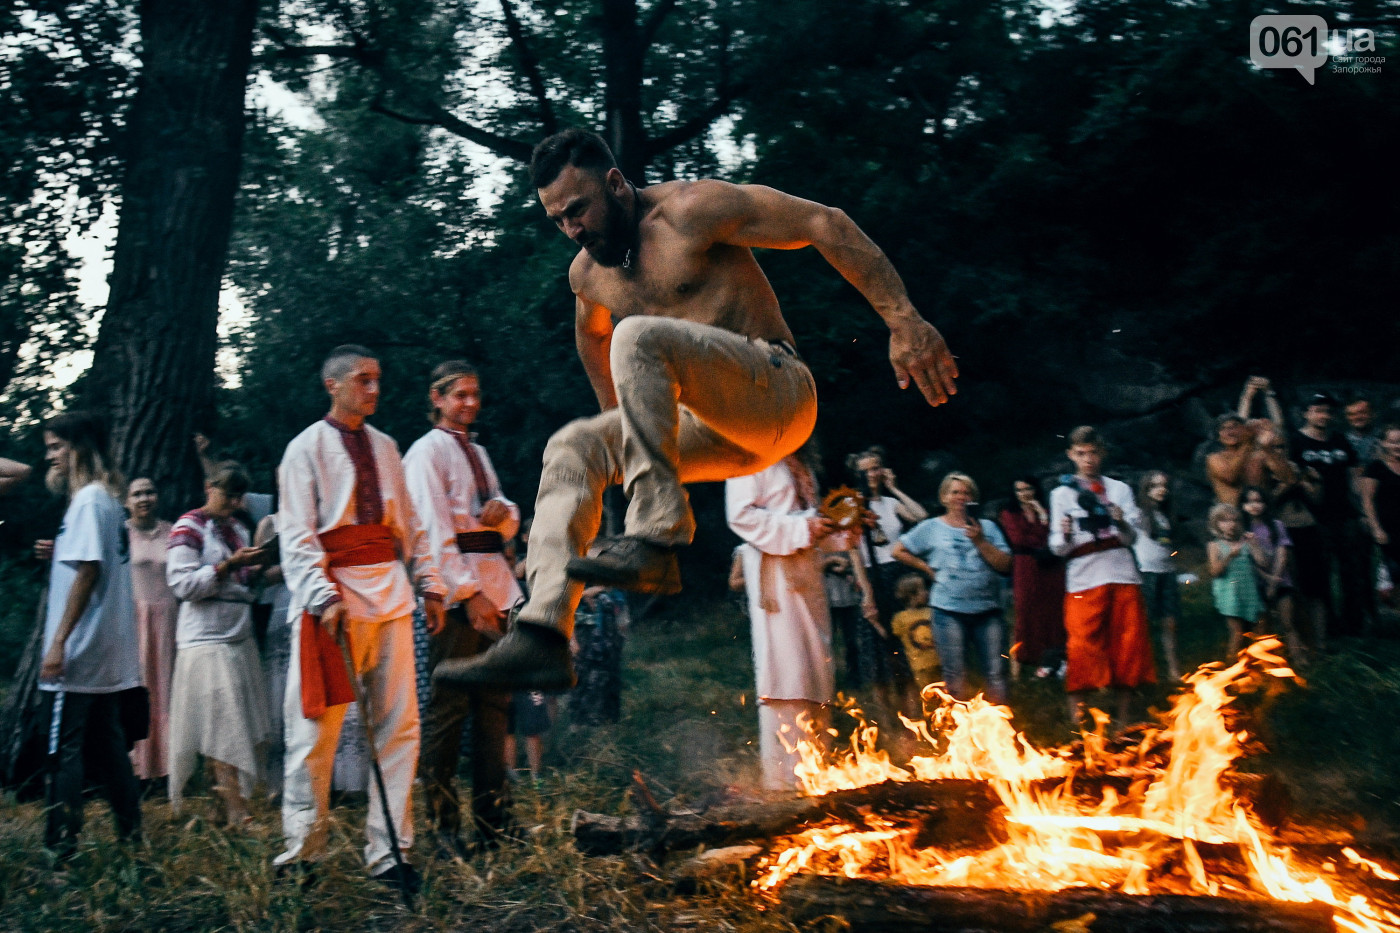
(775, 512)
(457, 495)
(90, 647)
(347, 529)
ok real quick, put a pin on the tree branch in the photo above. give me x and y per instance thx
(655, 18)
(439, 116)
(697, 124)
(356, 52)
(725, 95)
(531, 66)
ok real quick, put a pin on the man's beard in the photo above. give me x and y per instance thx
(619, 237)
(56, 481)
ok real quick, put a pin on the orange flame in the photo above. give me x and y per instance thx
(1145, 840)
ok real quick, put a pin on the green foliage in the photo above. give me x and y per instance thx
(1097, 209)
(1107, 192)
(65, 73)
(331, 251)
(20, 589)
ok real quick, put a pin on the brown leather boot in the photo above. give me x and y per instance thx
(529, 657)
(631, 564)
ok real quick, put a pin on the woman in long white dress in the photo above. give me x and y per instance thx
(775, 513)
(218, 703)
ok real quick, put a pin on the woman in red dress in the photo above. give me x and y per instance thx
(1038, 580)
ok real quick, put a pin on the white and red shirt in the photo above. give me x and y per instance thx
(332, 476)
(450, 478)
(1115, 564)
(212, 611)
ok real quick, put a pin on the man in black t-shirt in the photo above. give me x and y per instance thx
(1328, 452)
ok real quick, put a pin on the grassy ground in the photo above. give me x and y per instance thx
(689, 725)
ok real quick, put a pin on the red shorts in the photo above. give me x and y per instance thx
(1107, 638)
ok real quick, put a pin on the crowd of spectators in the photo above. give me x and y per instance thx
(1302, 540)
(168, 649)
(1074, 578)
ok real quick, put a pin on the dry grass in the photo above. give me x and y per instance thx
(688, 723)
(686, 727)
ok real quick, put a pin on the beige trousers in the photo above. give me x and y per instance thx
(695, 404)
(383, 656)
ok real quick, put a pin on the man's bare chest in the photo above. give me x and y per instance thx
(660, 279)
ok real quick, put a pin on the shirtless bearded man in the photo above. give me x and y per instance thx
(682, 339)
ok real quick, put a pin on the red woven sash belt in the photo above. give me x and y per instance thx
(324, 680)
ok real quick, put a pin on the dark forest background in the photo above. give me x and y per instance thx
(1111, 214)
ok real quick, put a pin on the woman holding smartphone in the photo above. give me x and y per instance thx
(966, 558)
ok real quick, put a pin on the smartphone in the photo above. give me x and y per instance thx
(271, 550)
(974, 511)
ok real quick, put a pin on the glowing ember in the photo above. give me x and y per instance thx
(1148, 839)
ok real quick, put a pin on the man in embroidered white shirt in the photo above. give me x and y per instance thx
(458, 497)
(347, 530)
(1092, 526)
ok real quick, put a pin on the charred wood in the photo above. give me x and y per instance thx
(866, 906)
(953, 812)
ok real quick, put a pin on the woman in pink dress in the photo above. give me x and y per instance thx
(1037, 580)
(156, 610)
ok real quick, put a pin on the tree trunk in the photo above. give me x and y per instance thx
(624, 51)
(153, 365)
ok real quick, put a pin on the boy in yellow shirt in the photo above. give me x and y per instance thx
(913, 626)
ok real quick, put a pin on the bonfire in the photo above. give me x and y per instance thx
(1166, 814)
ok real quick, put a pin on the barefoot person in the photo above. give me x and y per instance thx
(468, 520)
(682, 339)
(346, 530)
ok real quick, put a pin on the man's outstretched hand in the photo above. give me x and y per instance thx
(919, 352)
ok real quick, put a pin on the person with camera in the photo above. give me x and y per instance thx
(1092, 521)
(893, 512)
(1236, 461)
(890, 512)
(965, 556)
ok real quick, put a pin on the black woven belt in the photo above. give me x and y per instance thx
(480, 542)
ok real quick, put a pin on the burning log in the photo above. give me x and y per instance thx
(952, 812)
(1265, 794)
(867, 906)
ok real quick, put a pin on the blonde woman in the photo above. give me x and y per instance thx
(966, 558)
